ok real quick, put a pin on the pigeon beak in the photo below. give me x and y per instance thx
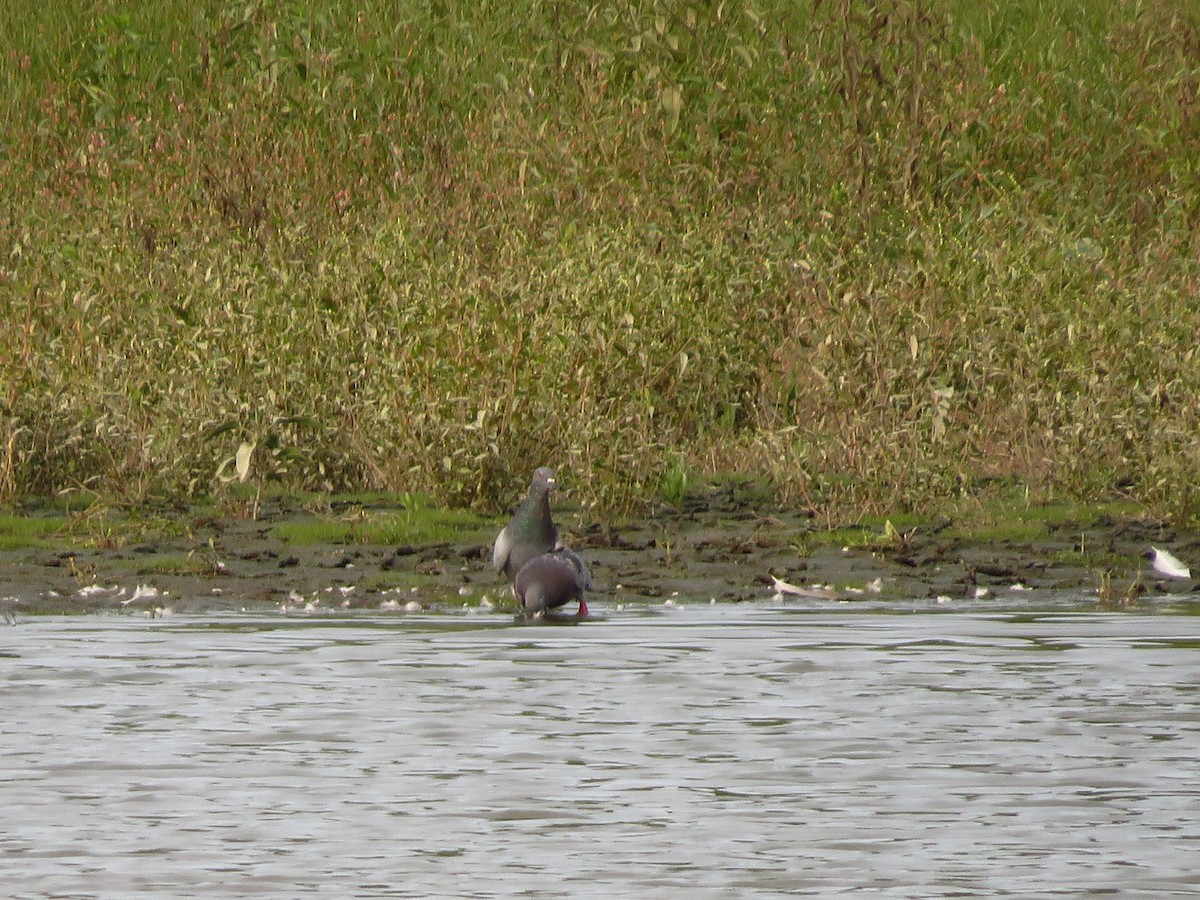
(583, 610)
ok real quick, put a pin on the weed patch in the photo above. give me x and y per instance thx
(884, 254)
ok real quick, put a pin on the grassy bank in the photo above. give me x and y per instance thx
(882, 257)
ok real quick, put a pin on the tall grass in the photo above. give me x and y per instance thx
(884, 253)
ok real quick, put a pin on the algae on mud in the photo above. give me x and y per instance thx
(720, 545)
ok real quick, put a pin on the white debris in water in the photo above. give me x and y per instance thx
(144, 592)
(1020, 587)
(982, 593)
(295, 596)
(777, 597)
(147, 592)
(783, 587)
(816, 591)
(669, 602)
(413, 606)
(389, 605)
(346, 589)
(942, 598)
(92, 590)
(216, 591)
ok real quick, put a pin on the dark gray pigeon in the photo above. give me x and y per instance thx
(552, 580)
(530, 532)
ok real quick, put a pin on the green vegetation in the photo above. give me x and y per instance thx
(416, 523)
(674, 484)
(197, 564)
(1014, 520)
(886, 254)
(365, 518)
(998, 519)
(20, 532)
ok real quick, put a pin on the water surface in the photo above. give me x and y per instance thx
(699, 751)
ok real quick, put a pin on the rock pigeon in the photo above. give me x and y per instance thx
(552, 580)
(530, 532)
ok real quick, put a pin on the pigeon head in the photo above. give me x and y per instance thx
(543, 481)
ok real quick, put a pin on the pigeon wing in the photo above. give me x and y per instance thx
(502, 550)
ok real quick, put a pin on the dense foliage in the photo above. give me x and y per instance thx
(882, 253)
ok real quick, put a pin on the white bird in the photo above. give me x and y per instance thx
(1168, 564)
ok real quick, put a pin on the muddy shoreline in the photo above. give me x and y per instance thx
(716, 549)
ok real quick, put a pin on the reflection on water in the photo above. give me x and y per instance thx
(726, 751)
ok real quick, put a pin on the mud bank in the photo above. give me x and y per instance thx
(717, 549)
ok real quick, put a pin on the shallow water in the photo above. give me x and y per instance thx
(702, 752)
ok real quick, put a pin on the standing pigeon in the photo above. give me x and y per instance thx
(530, 532)
(552, 580)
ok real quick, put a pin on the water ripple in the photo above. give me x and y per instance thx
(728, 751)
